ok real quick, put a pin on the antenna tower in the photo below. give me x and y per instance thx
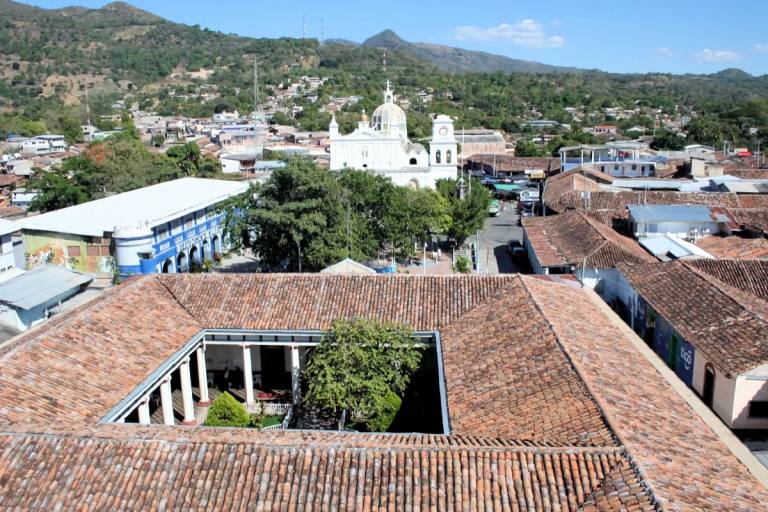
(303, 26)
(322, 31)
(256, 101)
(384, 61)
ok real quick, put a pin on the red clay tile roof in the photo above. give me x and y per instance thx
(308, 301)
(129, 468)
(681, 459)
(78, 365)
(510, 163)
(573, 237)
(501, 394)
(751, 217)
(735, 247)
(750, 276)
(541, 364)
(726, 324)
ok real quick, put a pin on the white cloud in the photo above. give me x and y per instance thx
(663, 51)
(762, 47)
(525, 33)
(707, 55)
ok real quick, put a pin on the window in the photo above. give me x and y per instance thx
(634, 167)
(448, 156)
(92, 250)
(73, 251)
(437, 156)
(413, 161)
(162, 233)
(104, 250)
(758, 409)
(652, 228)
(189, 221)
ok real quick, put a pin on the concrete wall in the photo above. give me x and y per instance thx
(673, 229)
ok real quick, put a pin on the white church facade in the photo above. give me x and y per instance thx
(382, 146)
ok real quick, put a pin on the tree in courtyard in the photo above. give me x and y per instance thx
(362, 367)
(225, 411)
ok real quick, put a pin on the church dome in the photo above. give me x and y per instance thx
(389, 116)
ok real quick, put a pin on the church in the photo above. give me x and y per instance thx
(381, 145)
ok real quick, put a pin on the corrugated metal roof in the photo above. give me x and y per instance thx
(670, 213)
(666, 247)
(39, 286)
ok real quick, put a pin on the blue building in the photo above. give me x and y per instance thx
(168, 227)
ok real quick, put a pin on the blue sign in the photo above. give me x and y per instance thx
(684, 365)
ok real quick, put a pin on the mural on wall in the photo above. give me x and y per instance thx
(54, 252)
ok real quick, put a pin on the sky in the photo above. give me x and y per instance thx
(675, 36)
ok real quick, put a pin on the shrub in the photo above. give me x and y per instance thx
(462, 265)
(225, 411)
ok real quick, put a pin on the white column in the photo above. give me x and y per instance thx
(166, 399)
(247, 374)
(144, 411)
(202, 378)
(186, 393)
(295, 375)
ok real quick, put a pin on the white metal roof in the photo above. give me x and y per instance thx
(7, 227)
(144, 207)
(666, 247)
(39, 286)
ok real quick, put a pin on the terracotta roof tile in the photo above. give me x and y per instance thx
(543, 414)
(735, 247)
(682, 460)
(573, 237)
(726, 324)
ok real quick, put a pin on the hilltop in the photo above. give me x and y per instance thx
(459, 60)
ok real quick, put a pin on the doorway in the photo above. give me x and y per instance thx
(650, 329)
(709, 386)
(273, 371)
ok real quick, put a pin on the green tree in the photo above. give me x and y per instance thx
(54, 191)
(525, 147)
(225, 411)
(466, 215)
(362, 366)
(665, 139)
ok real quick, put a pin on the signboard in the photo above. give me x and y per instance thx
(684, 364)
(537, 175)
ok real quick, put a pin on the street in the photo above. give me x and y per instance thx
(494, 256)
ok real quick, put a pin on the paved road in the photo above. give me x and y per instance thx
(495, 258)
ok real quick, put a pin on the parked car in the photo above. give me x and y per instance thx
(514, 245)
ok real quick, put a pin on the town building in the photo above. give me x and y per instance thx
(625, 159)
(575, 243)
(545, 400)
(382, 146)
(32, 297)
(472, 142)
(707, 320)
(689, 222)
(166, 227)
(8, 263)
(43, 144)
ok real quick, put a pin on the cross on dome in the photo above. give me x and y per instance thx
(389, 96)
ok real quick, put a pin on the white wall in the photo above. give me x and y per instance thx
(673, 229)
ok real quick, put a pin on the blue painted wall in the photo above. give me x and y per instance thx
(170, 247)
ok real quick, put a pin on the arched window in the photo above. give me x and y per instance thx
(437, 156)
(448, 156)
(413, 161)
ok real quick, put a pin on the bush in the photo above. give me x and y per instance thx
(383, 420)
(225, 411)
(463, 265)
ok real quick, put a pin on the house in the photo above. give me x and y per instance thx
(679, 221)
(32, 297)
(43, 144)
(543, 400)
(168, 227)
(238, 162)
(575, 243)
(22, 197)
(707, 320)
(667, 248)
